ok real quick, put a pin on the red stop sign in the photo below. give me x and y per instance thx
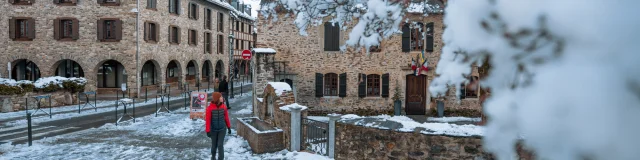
(246, 54)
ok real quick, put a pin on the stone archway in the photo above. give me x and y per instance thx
(192, 72)
(23, 69)
(149, 75)
(207, 71)
(173, 72)
(219, 70)
(111, 74)
(68, 68)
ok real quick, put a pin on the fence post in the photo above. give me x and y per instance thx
(29, 128)
(295, 128)
(332, 134)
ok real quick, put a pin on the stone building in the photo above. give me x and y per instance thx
(244, 38)
(179, 41)
(328, 80)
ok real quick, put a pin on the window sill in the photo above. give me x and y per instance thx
(152, 42)
(22, 4)
(331, 97)
(109, 40)
(153, 9)
(193, 45)
(66, 4)
(67, 40)
(22, 39)
(373, 98)
(173, 43)
(173, 14)
(110, 4)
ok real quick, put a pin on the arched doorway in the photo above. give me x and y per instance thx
(23, 69)
(206, 71)
(192, 71)
(173, 72)
(111, 74)
(148, 74)
(219, 69)
(69, 68)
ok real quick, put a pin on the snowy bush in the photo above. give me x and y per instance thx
(45, 84)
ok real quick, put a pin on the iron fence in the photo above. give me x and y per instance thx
(316, 137)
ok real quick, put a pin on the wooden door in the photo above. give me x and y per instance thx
(416, 97)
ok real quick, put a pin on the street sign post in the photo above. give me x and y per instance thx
(246, 54)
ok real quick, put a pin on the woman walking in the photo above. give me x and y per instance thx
(216, 119)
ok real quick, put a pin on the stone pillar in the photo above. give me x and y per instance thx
(295, 128)
(332, 134)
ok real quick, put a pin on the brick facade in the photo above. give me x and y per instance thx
(306, 57)
(90, 54)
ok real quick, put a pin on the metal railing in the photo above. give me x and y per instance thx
(316, 137)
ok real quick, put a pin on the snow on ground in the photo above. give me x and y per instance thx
(280, 87)
(409, 125)
(454, 119)
(168, 136)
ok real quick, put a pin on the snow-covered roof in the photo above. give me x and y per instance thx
(280, 87)
(264, 50)
(234, 12)
(432, 6)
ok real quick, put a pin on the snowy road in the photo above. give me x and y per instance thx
(14, 129)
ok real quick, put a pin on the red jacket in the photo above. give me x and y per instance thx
(207, 117)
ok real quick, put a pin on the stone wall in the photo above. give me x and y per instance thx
(89, 53)
(307, 57)
(17, 102)
(358, 142)
(280, 118)
(260, 142)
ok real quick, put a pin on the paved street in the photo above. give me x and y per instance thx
(15, 129)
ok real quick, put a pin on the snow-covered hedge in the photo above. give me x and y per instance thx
(46, 84)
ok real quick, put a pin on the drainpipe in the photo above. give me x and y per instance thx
(137, 12)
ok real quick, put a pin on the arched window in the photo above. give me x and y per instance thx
(148, 74)
(69, 68)
(25, 70)
(111, 74)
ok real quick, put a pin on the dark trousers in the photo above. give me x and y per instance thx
(217, 144)
(225, 95)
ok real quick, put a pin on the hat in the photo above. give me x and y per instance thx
(216, 97)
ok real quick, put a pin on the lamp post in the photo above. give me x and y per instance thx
(135, 10)
(230, 60)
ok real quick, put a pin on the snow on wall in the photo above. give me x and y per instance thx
(264, 50)
(409, 125)
(280, 87)
(295, 105)
(44, 81)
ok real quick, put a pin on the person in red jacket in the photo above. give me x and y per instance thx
(216, 119)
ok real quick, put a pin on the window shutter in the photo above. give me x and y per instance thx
(462, 91)
(189, 37)
(12, 28)
(172, 6)
(197, 12)
(170, 35)
(100, 1)
(406, 41)
(146, 31)
(156, 35)
(31, 25)
(385, 85)
(331, 37)
(100, 29)
(178, 8)
(118, 32)
(76, 29)
(196, 38)
(178, 35)
(319, 85)
(56, 29)
(430, 37)
(362, 86)
(56, 1)
(342, 91)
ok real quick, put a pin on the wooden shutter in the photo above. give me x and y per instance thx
(146, 31)
(12, 28)
(406, 38)
(319, 84)
(118, 31)
(31, 26)
(190, 11)
(100, 1)
(170, 34)
(178, 35)
(195, 38)
(56, 1)
(56, 29)
(197, 12)
(462, 91)
(331, 37)
(342, 90)
(178, 8)
(172, 6)
(362, 86)
(385, 85)
(430, 37)
(75, 35)
(100, 29)
(156, 28)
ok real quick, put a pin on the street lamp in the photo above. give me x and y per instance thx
(230, 60)
(135, 10)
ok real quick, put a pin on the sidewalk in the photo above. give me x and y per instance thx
(168, 136)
